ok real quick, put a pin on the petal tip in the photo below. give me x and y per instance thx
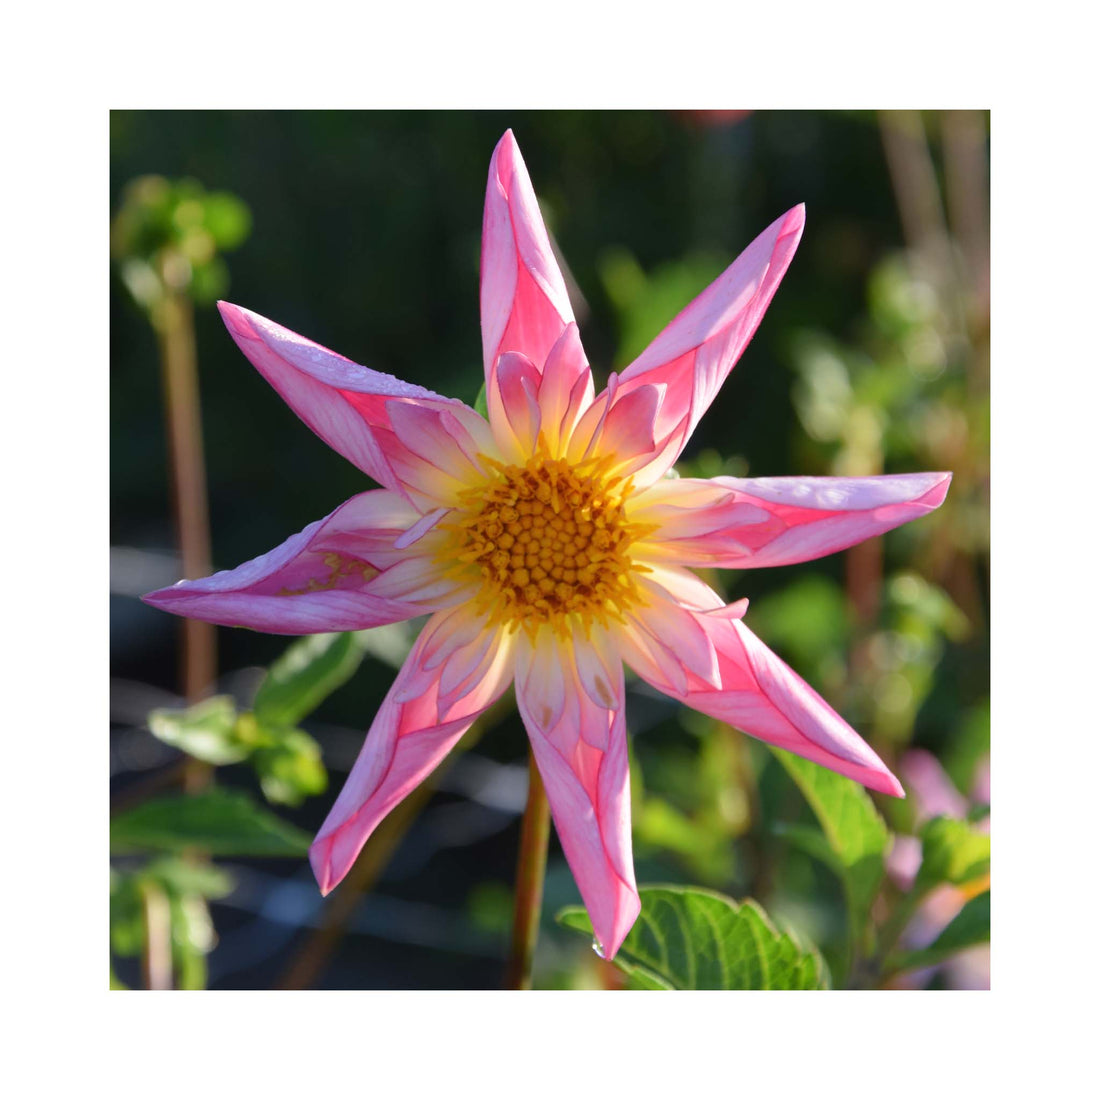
(320, 860)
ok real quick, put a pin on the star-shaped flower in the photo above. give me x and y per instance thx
(549, 547)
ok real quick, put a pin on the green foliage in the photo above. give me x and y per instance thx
(808, 621)
(687, 938)
(310, 670)
(969, 928)
(853, 832)
(186, 885)
(289, 766)
(206, 731)
(952, 851)
(167, 235)
(646, 302)
(481, 402)
(221, 822)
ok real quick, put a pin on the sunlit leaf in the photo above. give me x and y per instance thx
(290, 767)
(687, 938)
(310, 670)
(206, 731)
(227, 218)
(221, 822)
(853, 829)
(951, 851)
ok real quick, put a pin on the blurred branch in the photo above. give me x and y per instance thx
(315, 954)
(174, 323)
(156, 957)
(530, 876)
(967, 185)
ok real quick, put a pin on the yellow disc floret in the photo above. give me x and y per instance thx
(551, 541)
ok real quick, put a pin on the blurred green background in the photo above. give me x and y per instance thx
(362, 232)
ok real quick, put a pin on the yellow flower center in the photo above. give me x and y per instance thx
(551, 541)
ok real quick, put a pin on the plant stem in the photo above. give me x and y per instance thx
(174, 324)
(156, 955)
(530, 875)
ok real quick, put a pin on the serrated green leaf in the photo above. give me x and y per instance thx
(853, 828)
(687, 938)
(969, 928)
(206, 731)
(310, 670)
(225, 823)
(951, 851)
(643, 979)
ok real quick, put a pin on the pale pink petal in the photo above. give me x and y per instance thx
(408, 738)
(764, 698)
(565, 391)
(933, 792)
(424, 580)
(513, 403)
(315, 582)
(678, 629)
(745, 523)
(350, 406)
(524, 303)
(581, 752)
(693, 355)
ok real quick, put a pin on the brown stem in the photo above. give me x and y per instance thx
(156, 955)
(530, 875)
(174, 324)
(319, 948)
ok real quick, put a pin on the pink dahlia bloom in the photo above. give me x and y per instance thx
(548, 546)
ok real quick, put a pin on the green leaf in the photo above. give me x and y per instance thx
(227, 218)
(225, 823)
(481, 402)
(307, 673)
(181, 876)
(853, 830)
(290, 767)
(952, 851)
(687, 938)
(206, 731)
(969, 928)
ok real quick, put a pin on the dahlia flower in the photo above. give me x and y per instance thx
(549, 544)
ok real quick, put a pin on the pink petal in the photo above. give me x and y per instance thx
(315, 582)
(695, 353)
(580, 749)
(762, 696)
(934, 793)
(745, 523)
(411, 733)
(351, 407)
(524, 303)
(566, 389)
(514, 402)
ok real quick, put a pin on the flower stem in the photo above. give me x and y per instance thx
(156, 955)
(530, 874)
(175, 329)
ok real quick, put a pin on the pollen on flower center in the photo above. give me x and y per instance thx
(551, 541)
